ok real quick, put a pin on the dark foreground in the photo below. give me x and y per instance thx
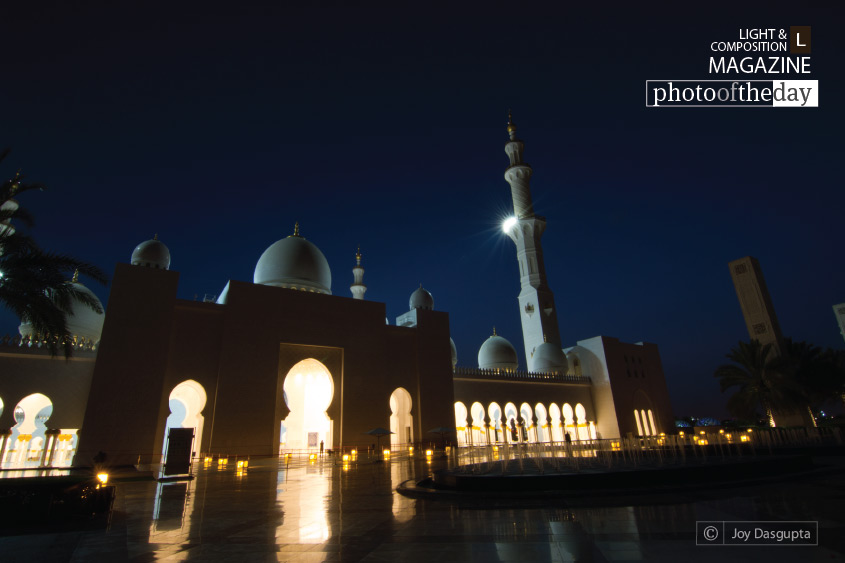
(325, 511)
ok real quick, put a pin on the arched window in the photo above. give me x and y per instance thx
(308, 392)
(401, 420)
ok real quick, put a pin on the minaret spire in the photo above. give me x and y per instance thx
(358, 288)
(536, 301)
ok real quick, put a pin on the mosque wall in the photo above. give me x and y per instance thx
(124, 405)
(195, 344)
(637, 382)
(432, 360)
(65, 382)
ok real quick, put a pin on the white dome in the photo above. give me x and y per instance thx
(497, 353)
(152, 254)
(421, 299)
(83, 322)
(548, 358)
(454, 353)
(295, 263)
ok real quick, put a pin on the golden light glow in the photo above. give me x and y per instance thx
(222, 460)
(495, 448)
(312, 457)
(702, 432)
(386, 453)
(411, 450)
(728, 436)
(103, 478)
(681, 433)
(354, 452)
(345, 457)
(721, 431)
(749, 430)
(743, 438)
(428, 453)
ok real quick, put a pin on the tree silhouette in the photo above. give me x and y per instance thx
(37, 285)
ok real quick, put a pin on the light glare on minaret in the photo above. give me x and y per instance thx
(508, 224)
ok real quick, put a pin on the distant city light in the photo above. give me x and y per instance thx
(508, 224)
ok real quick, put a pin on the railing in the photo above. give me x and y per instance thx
(517, 375)
(637, 452)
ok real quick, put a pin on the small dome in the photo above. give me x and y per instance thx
(82, 322)
(497, 353)
(421, 299)
(454, 353)
(152, 254)
(295, 263)
(548, 358)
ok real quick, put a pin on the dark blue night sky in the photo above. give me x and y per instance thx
(219, 127)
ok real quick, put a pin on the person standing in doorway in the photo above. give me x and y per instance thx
(321, 447)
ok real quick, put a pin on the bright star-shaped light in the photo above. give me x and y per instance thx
(508, 224)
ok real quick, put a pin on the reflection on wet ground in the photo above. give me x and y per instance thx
(327, 510)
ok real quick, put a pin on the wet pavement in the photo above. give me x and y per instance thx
(325, 510)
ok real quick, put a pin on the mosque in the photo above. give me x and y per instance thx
(302, 368)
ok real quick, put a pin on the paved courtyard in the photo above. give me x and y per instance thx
(327, 511)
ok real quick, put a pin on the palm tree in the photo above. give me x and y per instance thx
(36, 285)
(757, 372)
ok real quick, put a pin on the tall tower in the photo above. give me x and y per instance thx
(536, 301)
(755, 301)
(358, 288)
(839, 311)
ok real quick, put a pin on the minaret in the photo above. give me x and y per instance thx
(358, 288)
(536, 302)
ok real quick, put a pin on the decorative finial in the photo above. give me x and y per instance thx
(511, 125)
(358, 256)
(155, 236)
(494, 330)
(296, 229)
(75, 278)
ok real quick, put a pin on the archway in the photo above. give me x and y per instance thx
(581, 419)
(527, 415)
(542, 422)
(511, 415)
(478, 431)
(554, 416)
(401, 420)
(308, 391)
(569, 422)
(494, 411)
(28, 438)
(461, 423)
(187, 401)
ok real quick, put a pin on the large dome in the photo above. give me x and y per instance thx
(497, 353)
(83, 322)
(421, 299)
(548, 358)
(295, 263)
(151, 253)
